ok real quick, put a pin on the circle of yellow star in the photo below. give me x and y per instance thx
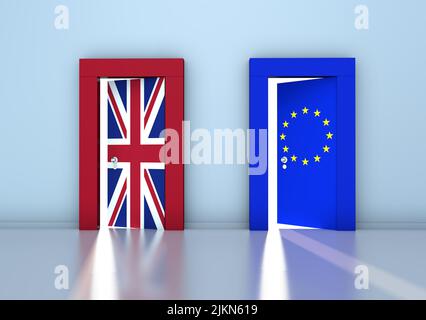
(293, 114)
(285, 124)
(326, 122)
(329, 135)
(317, 113)
(293, 158)
(285, 149)
(282, 136)
(305, 110)
(317, 158)
(305, 162)
(326, 148)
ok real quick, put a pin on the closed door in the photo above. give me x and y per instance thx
(132, 175)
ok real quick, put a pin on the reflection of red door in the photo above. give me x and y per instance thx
(136, 153)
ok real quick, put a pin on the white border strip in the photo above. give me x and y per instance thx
(103, 152)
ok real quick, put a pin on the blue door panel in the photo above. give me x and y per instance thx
(306, 164)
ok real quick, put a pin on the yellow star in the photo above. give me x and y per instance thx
(285, 149)
(326, 122)
(326, 148)
(317, 158)
(305, 162)
(329, 135)
(317, 113)
(282, 136)
(305, 110)
(293, 114)
(293, 158)
(285, 124)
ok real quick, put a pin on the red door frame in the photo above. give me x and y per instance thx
(90, 72)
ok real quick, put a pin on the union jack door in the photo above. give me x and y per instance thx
(132, 176)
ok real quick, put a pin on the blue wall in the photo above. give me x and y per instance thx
(39, 92)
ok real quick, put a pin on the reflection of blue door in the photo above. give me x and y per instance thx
(306, 166)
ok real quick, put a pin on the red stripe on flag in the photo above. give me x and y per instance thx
(135, 160)
(154, 197)
(117, 112)
(118, 204)
(152, 101)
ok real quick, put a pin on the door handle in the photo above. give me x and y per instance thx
(114, 161)
(284, 161)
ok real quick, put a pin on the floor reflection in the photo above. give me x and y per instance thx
(319, 263)
(132, 264)
(212, 264)
(273, 274)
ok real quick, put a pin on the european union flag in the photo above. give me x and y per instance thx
(306, 166)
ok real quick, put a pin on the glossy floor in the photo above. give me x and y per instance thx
(212, 264)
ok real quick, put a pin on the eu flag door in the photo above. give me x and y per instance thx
(306, 164)
(307, 106)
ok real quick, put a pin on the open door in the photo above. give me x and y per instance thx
(307, 106)
(306, 164)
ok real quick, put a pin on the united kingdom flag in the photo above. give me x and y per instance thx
(132, 182)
